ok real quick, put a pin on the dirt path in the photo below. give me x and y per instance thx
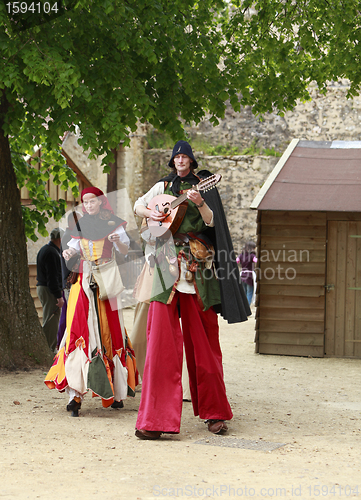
(310, 407)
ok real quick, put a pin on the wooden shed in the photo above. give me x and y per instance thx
(308, 295)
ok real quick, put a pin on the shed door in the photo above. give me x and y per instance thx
(343, 285)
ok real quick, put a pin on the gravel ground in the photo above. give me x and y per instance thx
(295, 434)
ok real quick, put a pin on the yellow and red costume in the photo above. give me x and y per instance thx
(95, 353)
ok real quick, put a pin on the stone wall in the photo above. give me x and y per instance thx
(329, 117)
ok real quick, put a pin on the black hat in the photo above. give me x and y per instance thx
(184, 148)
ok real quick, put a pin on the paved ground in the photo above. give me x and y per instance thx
(295, 434)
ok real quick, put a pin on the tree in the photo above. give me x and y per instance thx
(102, 65)
(274, 49)
(106, 64)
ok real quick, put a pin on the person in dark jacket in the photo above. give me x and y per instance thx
(68, 271)
(49, 286)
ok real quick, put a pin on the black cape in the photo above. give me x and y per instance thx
(234, 305)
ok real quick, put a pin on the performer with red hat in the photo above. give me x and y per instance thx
(96, 353)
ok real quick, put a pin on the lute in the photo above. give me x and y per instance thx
(175, 207)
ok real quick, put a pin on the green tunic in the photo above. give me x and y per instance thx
(205, 282)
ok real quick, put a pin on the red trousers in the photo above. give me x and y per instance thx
(161, 400)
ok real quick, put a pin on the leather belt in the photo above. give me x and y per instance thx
(97, 262)
(180, 239)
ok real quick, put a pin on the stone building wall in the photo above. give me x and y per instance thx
(326, 117)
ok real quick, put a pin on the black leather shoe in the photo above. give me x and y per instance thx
(74, 407)
(117, 404)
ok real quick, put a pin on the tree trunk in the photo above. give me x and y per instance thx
(112, 181)
(22, 340)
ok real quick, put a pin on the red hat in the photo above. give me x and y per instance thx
(99, 193)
